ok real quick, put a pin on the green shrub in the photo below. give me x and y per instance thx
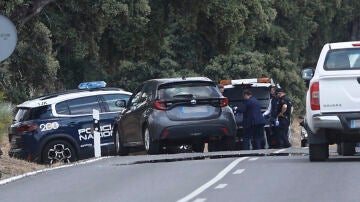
(5, 118)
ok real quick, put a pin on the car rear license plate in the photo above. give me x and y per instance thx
(355, 123)
(197, 109)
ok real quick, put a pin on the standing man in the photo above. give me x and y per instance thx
(271, 114)
(284, 115)
(253, 121)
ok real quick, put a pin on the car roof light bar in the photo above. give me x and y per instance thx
(92, 85)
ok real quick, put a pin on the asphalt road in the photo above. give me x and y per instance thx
(238, 176)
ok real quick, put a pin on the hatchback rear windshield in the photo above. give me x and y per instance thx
(188, 90)
(343, 59)
(26, 114)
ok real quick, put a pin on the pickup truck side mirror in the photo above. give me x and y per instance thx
(307, 74)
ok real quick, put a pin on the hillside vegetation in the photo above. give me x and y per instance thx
(124, 42)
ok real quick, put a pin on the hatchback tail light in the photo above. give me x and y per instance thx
(224, 102)
(27, 128)
(315, 96)
(159, 104)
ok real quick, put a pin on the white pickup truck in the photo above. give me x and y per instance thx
(333, 100)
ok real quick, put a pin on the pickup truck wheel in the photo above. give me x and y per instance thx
(318, 152)
(347, 148)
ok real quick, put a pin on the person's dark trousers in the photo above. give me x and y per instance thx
(258, 137)
(283, 132)
(247, 135)
(255, 134)
(272, 136)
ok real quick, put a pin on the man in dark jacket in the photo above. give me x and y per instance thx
(271, 114)
(253, 121)
(284, 115)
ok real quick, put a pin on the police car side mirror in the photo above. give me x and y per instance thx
(120, 103)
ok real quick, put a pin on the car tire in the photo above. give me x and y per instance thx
(119, 146)
(318, 152)
(151, 146)
(338, 148)
(228, 143)
(58, 151)
(198, 147)
(304, 143)
(347, 148)
(214, 145)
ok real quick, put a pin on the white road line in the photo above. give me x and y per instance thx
(220, 186)
(239, 171)
(11, 179)
(279, 151)
(212, 181)
(254, 159)
(200, 200)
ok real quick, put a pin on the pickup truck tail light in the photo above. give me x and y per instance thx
(315, 96)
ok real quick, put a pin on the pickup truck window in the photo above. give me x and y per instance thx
(342, 59)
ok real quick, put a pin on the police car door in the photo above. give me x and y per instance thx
(109, 111)
(81, 123)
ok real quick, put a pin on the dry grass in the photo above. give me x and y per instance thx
(12, 167)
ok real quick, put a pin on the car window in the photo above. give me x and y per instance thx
(188, 90)
(111, 99)
(136, 99)
(342, 59)
(235, 95)
(26, 114)
(62, 108)
(83, 105)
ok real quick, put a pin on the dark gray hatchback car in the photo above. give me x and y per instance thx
(174, 111)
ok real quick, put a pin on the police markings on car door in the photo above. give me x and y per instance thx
(87, 133)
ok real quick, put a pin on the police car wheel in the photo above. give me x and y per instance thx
(151, 147)
(58, 151)
(119, 147)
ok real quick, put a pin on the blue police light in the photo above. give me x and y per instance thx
(92, 85)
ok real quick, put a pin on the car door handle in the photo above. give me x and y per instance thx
(72, 124)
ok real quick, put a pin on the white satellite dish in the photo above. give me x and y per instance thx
(8, 37)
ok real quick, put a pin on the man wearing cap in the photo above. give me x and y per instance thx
(271, 113)
(253, 121)
(284, 115)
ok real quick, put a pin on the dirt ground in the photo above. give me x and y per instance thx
(11, 167)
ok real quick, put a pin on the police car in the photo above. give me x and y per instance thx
(260, 88)
(58, 127)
